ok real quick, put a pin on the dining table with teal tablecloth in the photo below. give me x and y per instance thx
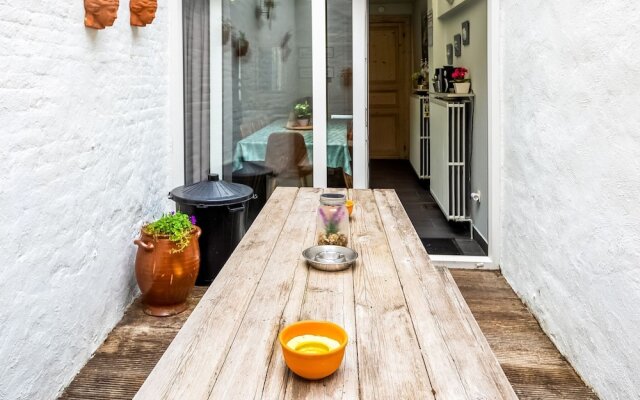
(254, 146)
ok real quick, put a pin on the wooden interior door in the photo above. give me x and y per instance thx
(389, 78)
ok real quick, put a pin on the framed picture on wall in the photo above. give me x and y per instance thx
(430, 28)
(457, 45)
(465, 33)
(425, 36)
(449, 54)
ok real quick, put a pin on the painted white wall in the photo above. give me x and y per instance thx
(571, 180)
(474, 58)
(85, 156)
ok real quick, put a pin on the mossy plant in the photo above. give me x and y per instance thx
(177, 226)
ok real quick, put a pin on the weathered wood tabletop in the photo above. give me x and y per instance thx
(411, 335)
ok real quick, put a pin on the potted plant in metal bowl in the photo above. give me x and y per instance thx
(460, 84)
(302, 112)
(167, 263)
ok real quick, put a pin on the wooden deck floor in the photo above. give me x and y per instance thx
(531, 362)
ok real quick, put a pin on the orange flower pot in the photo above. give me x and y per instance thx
(313, 366)
(165, 278)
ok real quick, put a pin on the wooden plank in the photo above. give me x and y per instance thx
(191, 364)
(460, 363)
(244, 371)
(127, 356)
(389, 359)
(329, 296)
(532, 363)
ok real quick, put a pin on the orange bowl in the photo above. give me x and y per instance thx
(313, 366)
(349, 205)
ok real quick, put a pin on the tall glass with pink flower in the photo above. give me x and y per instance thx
(333, 220)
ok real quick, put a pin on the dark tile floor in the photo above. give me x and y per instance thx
(438, 235)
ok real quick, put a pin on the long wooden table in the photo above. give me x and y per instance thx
(411, 334)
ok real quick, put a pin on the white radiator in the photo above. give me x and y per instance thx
(449, 145)
(419, 136)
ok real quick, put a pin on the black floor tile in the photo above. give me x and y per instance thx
(422, 209)
(442, 246)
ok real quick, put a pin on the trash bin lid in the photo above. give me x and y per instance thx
(212, 192)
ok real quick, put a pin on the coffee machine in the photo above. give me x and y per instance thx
(443, 82)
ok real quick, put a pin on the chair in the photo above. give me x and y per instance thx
(287, 158)
(246, 129)
(348, 179)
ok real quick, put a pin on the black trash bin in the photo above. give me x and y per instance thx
(220, 211)
(254, 175)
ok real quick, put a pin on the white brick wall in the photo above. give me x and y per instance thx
(571, 190)
(84, 150)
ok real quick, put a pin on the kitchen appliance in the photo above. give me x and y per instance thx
(443, 82)
(438, 81)
(447, 71)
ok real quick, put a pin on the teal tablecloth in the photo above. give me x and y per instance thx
(254, 146)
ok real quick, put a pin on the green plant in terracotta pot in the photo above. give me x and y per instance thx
(167, 263)
(302, 112)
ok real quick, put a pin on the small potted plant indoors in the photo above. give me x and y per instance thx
(302, 112)
(420, 77)
(460, 83)
(167, 263)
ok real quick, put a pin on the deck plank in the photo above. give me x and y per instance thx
(460, 363)
(389, 361)
(244, 371)
(532, 363)
(325, 296)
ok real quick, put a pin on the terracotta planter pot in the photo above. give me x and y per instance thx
(165, 279)
(242, 47)
(303, 121)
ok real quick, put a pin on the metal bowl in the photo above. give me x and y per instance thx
(330, 258)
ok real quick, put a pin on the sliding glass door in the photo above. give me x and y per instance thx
(339, 93)
(269, 92)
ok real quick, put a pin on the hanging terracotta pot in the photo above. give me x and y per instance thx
(166, 276)
(241, 45)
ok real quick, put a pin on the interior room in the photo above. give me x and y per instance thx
(429, 140)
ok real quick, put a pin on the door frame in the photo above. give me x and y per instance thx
(495, 155)
(405, 90)
(360, 115)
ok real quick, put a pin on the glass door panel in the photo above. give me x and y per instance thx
(267, 93)
(340, 93)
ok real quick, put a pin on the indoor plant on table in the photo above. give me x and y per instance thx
(167, 263)
(460, 83)
(420, 77)
(302, 112)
